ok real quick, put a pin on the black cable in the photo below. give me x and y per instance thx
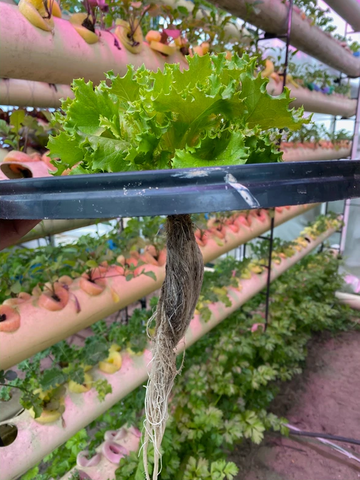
(326, 436)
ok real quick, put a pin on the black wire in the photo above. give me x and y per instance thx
(326, 436)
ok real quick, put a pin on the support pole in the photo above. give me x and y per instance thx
(272, 212)
(267, 303)
(354, 149)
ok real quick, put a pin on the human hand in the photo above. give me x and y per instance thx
(11, 231)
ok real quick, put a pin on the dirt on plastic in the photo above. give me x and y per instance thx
(324, 398)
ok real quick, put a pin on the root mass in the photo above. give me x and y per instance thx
(178, 298)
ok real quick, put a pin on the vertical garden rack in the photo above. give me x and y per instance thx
(39, 440)
(286, 37)
(316, 185)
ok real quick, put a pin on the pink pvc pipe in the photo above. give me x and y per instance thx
(40, 328)
(315, 101)
(309, 154)
(24, 93)
(34, 441)
(29, 53)
(320, 103)
(129, 441)
(36, 169)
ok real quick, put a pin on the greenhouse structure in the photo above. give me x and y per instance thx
(179, 239)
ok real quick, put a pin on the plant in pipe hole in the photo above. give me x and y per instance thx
(40, 12)
(10, 133)
(199, 29)
(33, 398)
(48, 271)
(84, 23)
(307, 75)
(171, 119)
(22, 269)
(226, 274)
(316, 136)
(43, 386)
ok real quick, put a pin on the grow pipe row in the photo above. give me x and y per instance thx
(349, 10)
(314, 154)
(271, 16)
(34, 441)
(40, 328)
(29, 53)
(316, 102)
(53, 227)
(350, 299)
(26, 93)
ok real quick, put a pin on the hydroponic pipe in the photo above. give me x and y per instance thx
(350, 299)
(100, 464)
(349, 10)
(53, 227)
(31, 54)
(316, 102)
(25, 93)
(35, 441)
(232, 33)
(271, 16)
(40, 328)
(314, 154)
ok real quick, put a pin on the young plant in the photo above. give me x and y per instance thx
(10, 134)
(171, 119)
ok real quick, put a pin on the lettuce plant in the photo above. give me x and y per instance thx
(217, 112)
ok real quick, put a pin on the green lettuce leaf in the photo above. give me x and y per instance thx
(217, 112)
(211, 153)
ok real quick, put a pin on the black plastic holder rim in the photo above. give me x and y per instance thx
(167, 192)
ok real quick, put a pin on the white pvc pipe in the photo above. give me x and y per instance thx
(40, 328)
(312, 154)
(25, 93)
(318, 102)
(31, 54)
(271, 16)
(350, 299)
(53, 227)
(349, 10)
(105, 468)
(35, 441)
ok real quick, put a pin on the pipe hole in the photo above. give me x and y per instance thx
(14, 171)
(8, 434)
(83, 475)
